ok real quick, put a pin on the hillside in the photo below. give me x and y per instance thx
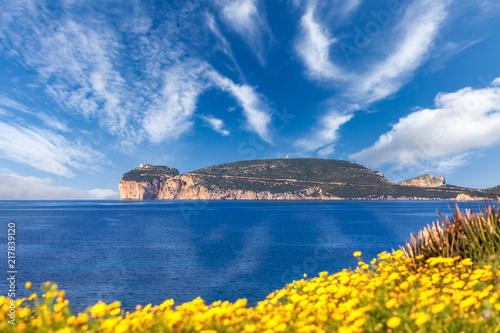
(494, 190)
(281, 179)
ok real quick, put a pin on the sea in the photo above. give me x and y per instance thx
(141, 252)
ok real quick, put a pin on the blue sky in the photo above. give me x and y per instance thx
(91, 89)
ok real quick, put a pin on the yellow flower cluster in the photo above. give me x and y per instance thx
(390, 294)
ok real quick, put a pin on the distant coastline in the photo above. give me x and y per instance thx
(288, 179)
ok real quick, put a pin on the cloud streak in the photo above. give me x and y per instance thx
(45, 150)
(15, 187)
(313, 46)
(171, 115)
(245, 18)
(215, 124)
(417, 29)
(255, 109)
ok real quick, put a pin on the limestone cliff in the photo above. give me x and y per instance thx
(185, 188)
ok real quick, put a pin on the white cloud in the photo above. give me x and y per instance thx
(314, 48)
(244, 17)
(350, 6)
(44, 150)
(327, 131)
(171, 115)
(224, 44)
(15, 187)
(216, 124)
(255, 109)
(418, 29)
(462, 121)
(49, 120)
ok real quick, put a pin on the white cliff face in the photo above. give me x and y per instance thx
(184, 188)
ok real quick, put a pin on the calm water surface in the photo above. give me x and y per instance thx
(142, 252)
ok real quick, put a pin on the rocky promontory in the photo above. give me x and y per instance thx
(284, 179)
(424, 181)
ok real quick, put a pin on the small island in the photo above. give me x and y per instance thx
(287, 179)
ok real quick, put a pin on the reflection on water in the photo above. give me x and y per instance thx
(148, 251)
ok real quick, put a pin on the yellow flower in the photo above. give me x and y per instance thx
(21, 327)
(390, 303)
(114, 312)
(357, 254)
(404, 285)
(81, 319)
(280, 328)
(421, 318)
(59, 307)
(70, 320)
(468, 302)
(36, 322)
(28, 285)
(438, 308)
(250, 328)
(113, 305)
(458, 285)
(65, 330)
(393, 322)
(121, 327)
(23, 312)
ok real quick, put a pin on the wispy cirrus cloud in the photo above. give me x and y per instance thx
(75, 63)
(256, 110)
(172, 113)
(461, 122)
(13, 107)
(140, 81)
(216, 124)
(350, 6)
(45, 150)
(15, 187)
(246, 19)
(223, 43)
(411, 38)
(313, 46)
(417, 30)
(326, 132)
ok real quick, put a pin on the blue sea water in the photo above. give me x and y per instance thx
(141, 252)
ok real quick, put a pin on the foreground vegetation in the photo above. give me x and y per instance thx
(468, 235)
(392, 293)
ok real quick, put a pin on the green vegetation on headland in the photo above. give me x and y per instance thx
(494, 190)
(304, 178)
(149, 172)
(443, 290)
